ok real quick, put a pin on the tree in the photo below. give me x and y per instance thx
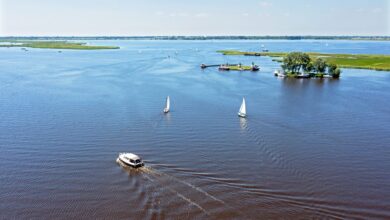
(332, 68)
(319, 65)
(309, 67)
(336, 73)
(296, 61)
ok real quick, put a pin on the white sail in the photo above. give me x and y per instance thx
(243, 107)
(168, 104)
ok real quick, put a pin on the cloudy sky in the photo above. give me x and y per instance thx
(193, 17)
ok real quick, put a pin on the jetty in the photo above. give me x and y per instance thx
(236, 67)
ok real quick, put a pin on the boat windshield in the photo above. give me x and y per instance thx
(138, 161)
(131, 160)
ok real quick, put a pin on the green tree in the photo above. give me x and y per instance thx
(332, 68)
(309, 67)
(319, 65)
(336, 73)
(295, 62)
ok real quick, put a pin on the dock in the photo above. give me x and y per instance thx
(204, 66)
(235, 67)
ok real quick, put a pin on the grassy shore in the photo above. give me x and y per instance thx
(356, 61)
(55, 45)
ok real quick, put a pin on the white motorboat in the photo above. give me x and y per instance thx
(242, 111)
(130, 159)
(167, 105)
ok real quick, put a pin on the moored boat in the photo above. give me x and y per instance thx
(254, 67)
(224, 68)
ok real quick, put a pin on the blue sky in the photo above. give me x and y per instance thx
(193, 17)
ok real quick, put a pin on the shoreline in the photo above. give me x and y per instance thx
(63, 45)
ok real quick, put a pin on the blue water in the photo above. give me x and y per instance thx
(316, 148)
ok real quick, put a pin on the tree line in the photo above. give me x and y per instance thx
(298, 62)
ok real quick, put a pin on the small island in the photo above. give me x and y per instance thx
(354, 61)
(54, 45)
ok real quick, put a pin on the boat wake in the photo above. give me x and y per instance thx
(183, 189)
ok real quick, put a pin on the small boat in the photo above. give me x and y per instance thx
(303, 76)
(242, 111)
(279, 73)
(224, 68)
(255, 67)
(130, 160)
(167, 105)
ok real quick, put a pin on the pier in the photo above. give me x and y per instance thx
(236, 67)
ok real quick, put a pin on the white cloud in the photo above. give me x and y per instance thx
(182, 14)
(160, 13)
(245, 14)
(265, 4)
(376, 10)
(201, 15)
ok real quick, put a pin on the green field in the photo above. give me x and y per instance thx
(356, 61)
(55, 45)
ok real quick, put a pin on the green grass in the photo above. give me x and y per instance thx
(356, 61)
(236, 68)
(57, 45)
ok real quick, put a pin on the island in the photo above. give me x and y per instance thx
(355, 61)
(53, 45)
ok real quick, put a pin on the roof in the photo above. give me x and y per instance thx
(130, 156)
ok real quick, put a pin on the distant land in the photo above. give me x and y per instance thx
(373, 38)
(46, 44)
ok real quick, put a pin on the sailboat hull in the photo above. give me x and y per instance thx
(242, 115)
(166, 110)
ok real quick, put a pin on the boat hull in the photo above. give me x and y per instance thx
(241, 115)
(166, 110)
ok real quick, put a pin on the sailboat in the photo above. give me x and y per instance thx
(167, 105)
(242, 111)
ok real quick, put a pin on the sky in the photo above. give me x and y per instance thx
(193, 17)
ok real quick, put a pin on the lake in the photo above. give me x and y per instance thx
(309, 148)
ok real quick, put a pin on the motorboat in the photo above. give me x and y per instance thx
(279, 73)
(130, 159)
(224, 68)
(167, 105)
(242, 111)
(255, 67)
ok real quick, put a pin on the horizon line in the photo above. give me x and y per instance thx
(200, 36)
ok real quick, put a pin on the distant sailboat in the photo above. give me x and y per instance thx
(167, 105)
(242, 111)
